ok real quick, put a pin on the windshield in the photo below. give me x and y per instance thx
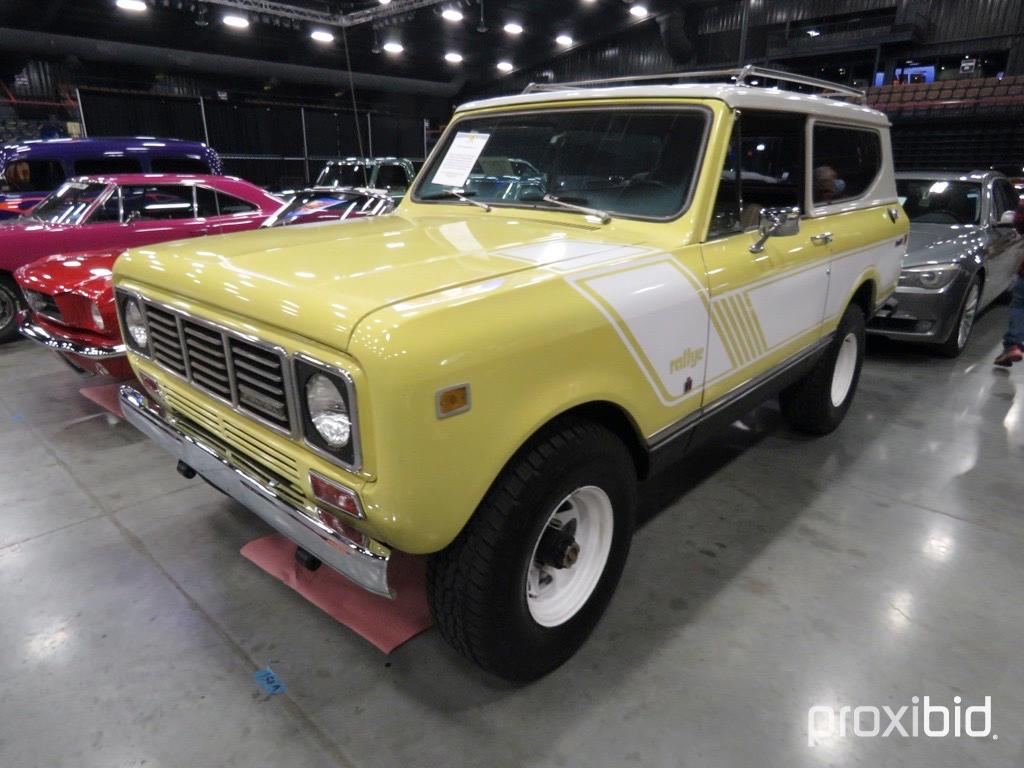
(323, 206)
(345, 175)
(931, 201)
(629, 162)
(68, 204)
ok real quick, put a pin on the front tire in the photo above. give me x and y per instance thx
(958, 337)
(525, 582)
(818, 402)
(10, 303)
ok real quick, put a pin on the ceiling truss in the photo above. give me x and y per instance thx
(296, 13)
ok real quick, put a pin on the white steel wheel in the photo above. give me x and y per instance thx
(844, 370)
(968, 317)
(570, 556)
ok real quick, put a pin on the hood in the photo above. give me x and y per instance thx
(321, 281)
(83, 274)
(939, 243)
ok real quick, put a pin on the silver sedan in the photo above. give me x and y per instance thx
(963, 255)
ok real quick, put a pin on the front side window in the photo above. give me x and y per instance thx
(345, 175)
(940, 201)
(846, 163)
(154, 202)
(68, 205)
(1004, 198)
(392, 177)
(763, 169)
(637, 163)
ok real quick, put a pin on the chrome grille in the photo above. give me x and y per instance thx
(44, 304)
(249, 376)
(164, 339)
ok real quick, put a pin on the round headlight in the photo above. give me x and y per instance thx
(327, 411)
(97, 317)
(136, 324)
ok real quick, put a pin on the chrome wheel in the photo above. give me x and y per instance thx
(969, 314)
(570, 556)
(844, 370)
(8, 307)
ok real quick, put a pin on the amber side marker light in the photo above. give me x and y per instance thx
(453, 401)
(337, 497)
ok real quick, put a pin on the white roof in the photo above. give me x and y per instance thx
(736, 96)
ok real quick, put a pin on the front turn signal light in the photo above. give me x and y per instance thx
(336, 497)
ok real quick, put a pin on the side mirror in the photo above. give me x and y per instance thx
(1006, 220)
(776, 222)
(130, 218)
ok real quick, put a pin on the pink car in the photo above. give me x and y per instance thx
(112, 213)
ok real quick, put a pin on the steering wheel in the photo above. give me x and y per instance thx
(646, 182)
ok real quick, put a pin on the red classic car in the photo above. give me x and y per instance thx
(92, 213)
(71, 298)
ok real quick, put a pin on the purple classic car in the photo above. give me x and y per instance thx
(30, 171)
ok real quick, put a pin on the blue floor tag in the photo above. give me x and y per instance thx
(269, 682)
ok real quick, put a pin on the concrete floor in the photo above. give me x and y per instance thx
(772, 573)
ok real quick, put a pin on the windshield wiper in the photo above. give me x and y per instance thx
(604, 216)
(459, 194)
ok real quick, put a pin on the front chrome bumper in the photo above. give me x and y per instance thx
(366, 568)
(32, 330)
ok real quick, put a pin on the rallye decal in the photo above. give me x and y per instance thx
(680, 337)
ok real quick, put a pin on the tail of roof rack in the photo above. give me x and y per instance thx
(748, 75)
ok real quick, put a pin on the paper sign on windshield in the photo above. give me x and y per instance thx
(462, 156)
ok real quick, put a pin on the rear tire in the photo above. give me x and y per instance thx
(818, 403)
(10, 303)
(496, 594)
(958, 337)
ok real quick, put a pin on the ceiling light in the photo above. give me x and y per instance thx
(813, 32)
(383, 2)
(505, 66)
(451, 14)
(453, 57)
(564, 40)
(640, 11)
(238, 22)
(321, 36)
(132, 5)
(513, 28)
(393, 46)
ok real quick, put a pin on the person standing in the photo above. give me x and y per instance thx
(1013, 341)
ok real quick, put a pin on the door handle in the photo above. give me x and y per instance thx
(823, 239)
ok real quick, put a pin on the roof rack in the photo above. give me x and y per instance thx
(742, 75)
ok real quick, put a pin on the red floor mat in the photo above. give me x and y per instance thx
(385, 623)
(105, 396)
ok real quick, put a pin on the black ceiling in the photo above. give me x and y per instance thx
(424, 34)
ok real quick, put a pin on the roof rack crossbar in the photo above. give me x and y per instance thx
(742, 75)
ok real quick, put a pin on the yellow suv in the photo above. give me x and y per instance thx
(484, 376)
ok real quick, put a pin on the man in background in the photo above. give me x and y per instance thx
(1013, 341)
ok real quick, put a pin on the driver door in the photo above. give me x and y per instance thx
(767, 298)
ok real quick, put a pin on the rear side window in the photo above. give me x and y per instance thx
(32, 176)
(213, 203)
(178, 165)
(846, 162)
(157, 202)
(106, 165)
